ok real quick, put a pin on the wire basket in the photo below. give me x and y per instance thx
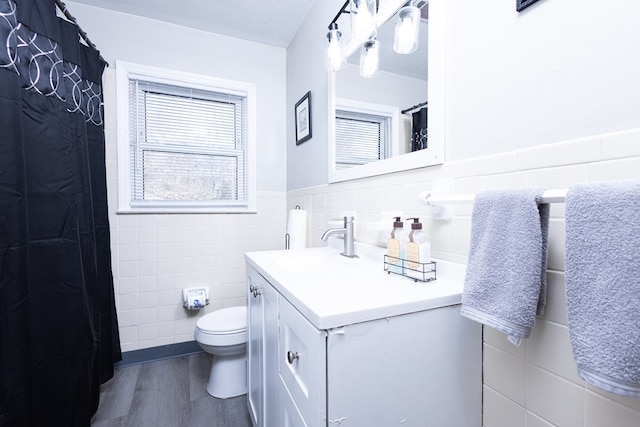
(423, 271)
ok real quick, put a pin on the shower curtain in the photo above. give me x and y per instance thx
(58, 327)
(419, 130)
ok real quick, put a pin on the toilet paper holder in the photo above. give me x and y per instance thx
(195, 298)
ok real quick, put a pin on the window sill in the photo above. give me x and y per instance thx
(183, 211)
(186, 208)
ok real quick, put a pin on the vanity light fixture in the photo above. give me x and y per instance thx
(406, 30)
(369, 58)
(335, 57)
(363, 18)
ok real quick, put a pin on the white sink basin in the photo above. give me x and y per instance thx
(328, 258)
(301, 261)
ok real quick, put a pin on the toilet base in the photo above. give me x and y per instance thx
(228, 377)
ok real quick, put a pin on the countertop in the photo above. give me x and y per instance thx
(331, 290)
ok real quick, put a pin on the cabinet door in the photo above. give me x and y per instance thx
(302, 366)
(290, 415)
(270, 298)
(262, 346)
(414, 370)
(255, 350)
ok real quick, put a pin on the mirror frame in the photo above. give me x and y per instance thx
(435, 154)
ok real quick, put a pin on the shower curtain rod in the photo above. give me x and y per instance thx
(549, 196)
(422, 104)
(83, 34)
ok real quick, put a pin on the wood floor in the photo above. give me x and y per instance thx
(167, 393)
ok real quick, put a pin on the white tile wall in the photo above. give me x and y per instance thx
(155, 256)
(499, 411)
(536, 384)
(505, 373)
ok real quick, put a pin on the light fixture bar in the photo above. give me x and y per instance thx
(342, 10)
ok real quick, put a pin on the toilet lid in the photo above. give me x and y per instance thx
(226, 320)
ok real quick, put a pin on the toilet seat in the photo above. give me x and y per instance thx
(230, 320)
(224, 327)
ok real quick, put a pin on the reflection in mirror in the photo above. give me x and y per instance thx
(384, 116)
(364, 132)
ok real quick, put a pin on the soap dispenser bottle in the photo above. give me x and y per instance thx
(396, 247)
(418, 251)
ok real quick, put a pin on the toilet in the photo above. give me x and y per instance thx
(223, 333)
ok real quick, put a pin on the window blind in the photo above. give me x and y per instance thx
(187, 144)
(361, 138)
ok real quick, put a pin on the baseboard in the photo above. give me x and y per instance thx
(153, 354)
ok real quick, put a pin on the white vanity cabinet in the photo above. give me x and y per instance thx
(419, 368)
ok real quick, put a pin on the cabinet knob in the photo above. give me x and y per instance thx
(291, 356)
(255, 291)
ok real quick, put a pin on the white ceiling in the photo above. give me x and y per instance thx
(272, 22)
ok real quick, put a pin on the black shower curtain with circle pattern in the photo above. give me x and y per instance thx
(58, 326)
(419, 130)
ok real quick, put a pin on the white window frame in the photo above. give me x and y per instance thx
(126, 71)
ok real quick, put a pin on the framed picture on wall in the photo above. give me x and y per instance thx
(523, 4)
(303, 119)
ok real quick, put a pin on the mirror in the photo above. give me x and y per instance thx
(397, 91)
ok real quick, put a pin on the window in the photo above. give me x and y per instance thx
(187, 141)
(363, 133)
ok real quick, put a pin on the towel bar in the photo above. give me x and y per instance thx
(439, 202)
(549, 196)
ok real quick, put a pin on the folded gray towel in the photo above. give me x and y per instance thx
(603, 283)
(505, 282)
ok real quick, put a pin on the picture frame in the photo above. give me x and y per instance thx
(523, 4)
(303, 119)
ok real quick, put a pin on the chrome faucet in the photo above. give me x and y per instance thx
(347, 233)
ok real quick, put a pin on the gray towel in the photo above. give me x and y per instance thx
(505, 283)
(603, 283)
